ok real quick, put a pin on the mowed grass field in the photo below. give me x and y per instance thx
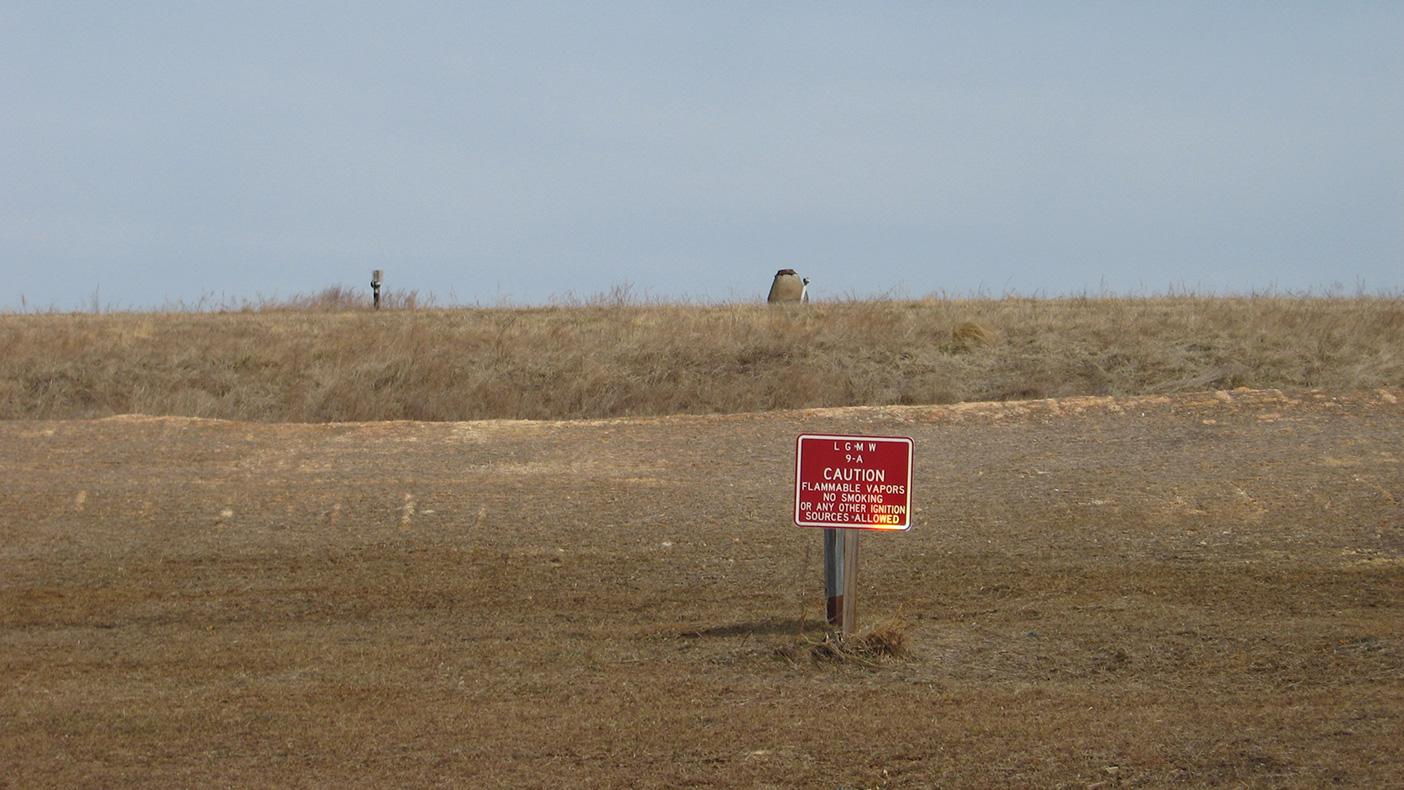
(1190, 585)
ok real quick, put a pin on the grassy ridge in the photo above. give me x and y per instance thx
(315, 362)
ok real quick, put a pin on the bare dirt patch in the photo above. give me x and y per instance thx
(1197, 590)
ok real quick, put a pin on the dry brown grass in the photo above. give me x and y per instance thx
(885, 640)
(1189, 591)
(327, 358)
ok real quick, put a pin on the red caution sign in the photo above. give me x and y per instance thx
(853, 482)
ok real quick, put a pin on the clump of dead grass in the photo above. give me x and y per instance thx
(887, 640)
(969, 335)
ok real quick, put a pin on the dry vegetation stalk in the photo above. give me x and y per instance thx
(330, 359)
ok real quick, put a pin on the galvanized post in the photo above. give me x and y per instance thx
(850, 582)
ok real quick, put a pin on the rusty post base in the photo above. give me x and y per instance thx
(834, 610)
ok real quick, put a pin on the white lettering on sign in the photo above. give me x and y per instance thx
(837, 518)
(856, 474)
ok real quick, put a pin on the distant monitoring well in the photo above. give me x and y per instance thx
(853, 482)
(788, 286)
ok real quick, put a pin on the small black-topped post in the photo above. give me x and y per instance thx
(375, 286)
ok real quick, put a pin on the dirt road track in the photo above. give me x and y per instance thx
(1200, 590)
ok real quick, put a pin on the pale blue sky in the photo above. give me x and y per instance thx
(161, 152)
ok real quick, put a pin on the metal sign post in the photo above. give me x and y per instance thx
(846, 484)
(850, 582)
(833, 576)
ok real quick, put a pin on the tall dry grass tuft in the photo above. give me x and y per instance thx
(970, 335)
(329, 357)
